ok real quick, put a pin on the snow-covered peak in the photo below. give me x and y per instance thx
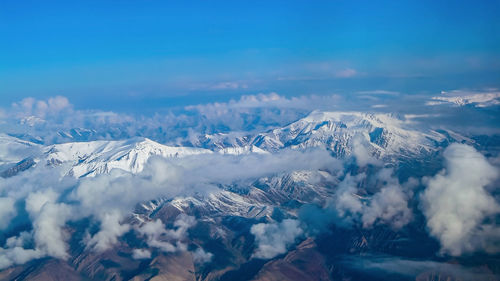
(14, 150)
(247, 149)
(353, 118)
(341, 132)
(97, 157)
(461, 98)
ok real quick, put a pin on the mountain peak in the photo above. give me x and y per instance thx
(96, 157)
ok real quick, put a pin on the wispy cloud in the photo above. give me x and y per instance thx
(346, 73)
(224, 85)
(382, 265)
(379, 92)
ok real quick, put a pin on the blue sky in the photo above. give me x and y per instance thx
(139, 54)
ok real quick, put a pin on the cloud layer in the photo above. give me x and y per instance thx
(109, 198)
(55, 119)
(457, 202)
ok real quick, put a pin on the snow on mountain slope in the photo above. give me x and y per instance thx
(13, 150)
(383, 135)
(220, 141)
(255, 200)
(242, 150)
(222, 203)
(461, 98)
(97, 157)
(78, 134)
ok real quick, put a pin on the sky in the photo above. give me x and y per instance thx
(138, 55)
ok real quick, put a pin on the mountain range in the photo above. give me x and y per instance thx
(225, 243)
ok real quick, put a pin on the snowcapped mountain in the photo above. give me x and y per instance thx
(97, 157)
(238, 150)
(254, 201)
(460, 98)
(227, 210)
(78, 134)
(14, 150)
(384, 136)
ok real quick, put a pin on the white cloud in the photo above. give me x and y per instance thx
(153, 231)
(17, 255)
(48, 230)
(48, 219)
(456, 202)
(200, 256)
(58, 103)
(274, 238)
(389, 205)
(36, 200)
(346, 200)
(362, 154)
(41, 108)
(110, 230)
(7, 211)
(167, 240)
(139, 254)
(271, 100)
